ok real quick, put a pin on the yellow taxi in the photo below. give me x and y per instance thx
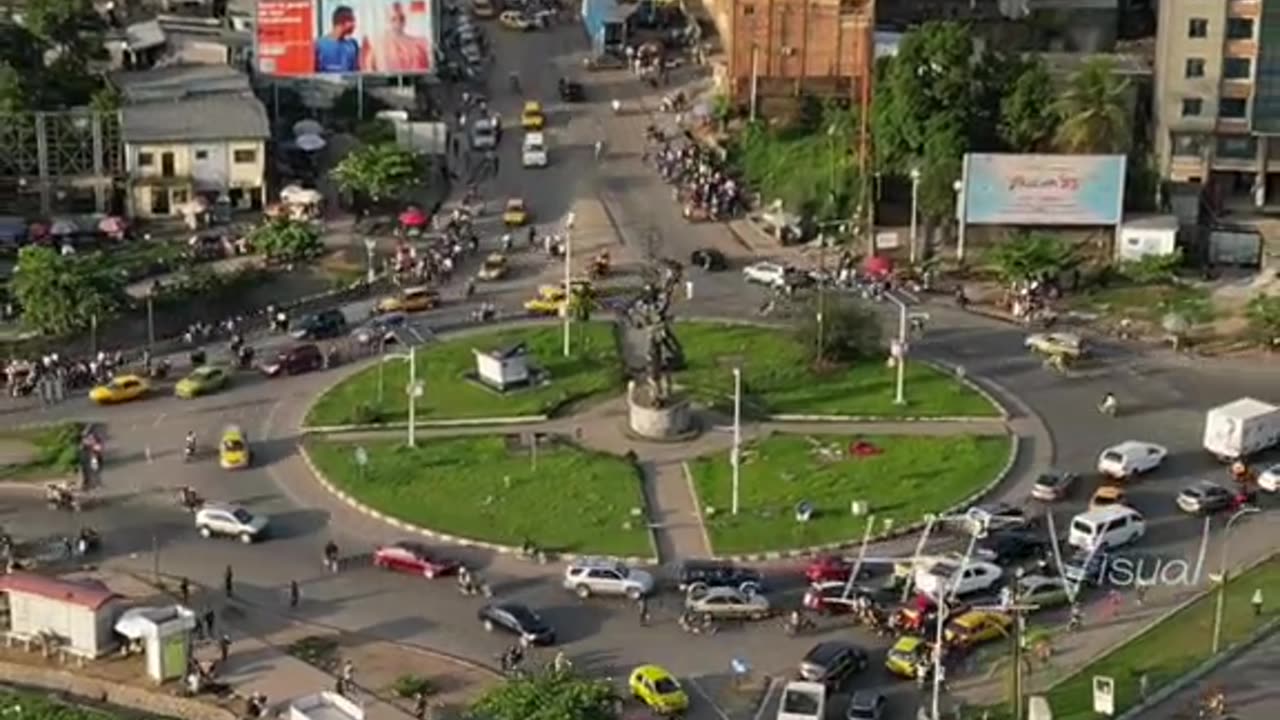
(233, 449)
(658, 690)
(413, 299)
(532, 118)
(514, 20)
(550, 298)
(1107, 495)
(976, 627)
(494, 267)
(906, 656)
(121, 388)
(515, 213)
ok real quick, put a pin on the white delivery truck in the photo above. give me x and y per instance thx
(1241, 428)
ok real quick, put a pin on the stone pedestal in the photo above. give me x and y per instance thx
(672, 421)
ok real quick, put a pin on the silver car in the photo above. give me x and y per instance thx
(727, 603)
(601, 576)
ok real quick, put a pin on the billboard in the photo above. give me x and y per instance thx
(300, 38)
(1043, 189)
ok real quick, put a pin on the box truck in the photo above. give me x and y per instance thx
(1241, 428)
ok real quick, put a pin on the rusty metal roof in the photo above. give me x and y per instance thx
(89, 594)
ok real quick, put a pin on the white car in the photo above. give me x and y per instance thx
(484, 134)
(765, 273)
(1269, 479)
(230, 521)
(1131, 457)
(947, 576)
(534, 152)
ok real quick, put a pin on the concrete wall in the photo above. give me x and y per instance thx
(148, 701)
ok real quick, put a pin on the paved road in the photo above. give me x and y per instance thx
(1249, 682)
(619, 205)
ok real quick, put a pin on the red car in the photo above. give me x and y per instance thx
(825, 568)
(413, 557)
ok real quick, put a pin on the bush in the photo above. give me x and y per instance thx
(367, 414)
(1263, 313)
(58, 448)
(408, 686)
(316, 650)
(850, 331)
(1152, 269)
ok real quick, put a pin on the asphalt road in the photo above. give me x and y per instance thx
(620, 205)
(1249, 683)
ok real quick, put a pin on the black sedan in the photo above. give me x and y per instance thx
(709, 259)
(571, 91)
(1014, 546)
(715, 573)
(519, 621)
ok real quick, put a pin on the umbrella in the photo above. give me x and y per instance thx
(63, 227)
(310, 142)
(307, 127)
(877, 266)
(112, 225)
(413, 217)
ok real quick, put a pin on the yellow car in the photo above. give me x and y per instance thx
(550, 298)
(532, 117)
(513, 20)
(414, 299)
(1068, 344)
(233, 451)
(976, 627)
(906, 656)
(1107, 495)
(122, 388)
(204, 380)
(515, 213)
(494, 267)
(658, 690)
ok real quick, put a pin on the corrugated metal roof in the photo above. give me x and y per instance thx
(179, 81)
(226, 116)
(87, 594)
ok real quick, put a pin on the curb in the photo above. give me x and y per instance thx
(788, 418)
(1015, 443)
(363, 509)
(424, 424)
(697, 507)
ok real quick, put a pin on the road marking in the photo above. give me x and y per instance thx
(764, 701)
(714, 706)
(159, 419)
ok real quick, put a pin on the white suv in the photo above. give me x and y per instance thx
(600, 576)
(230, 520)
(765, 273)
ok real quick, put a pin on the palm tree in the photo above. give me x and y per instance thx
(1095, 110)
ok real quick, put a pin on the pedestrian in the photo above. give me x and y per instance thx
(1256, 602)
(228, 580)
(209, 618)
(642, 604)
(184, 591)
(294, 593)
(1144, 686)
(348, 676)
(420, 706)
(1140, 593)
(224, 647)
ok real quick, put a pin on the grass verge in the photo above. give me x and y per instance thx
(1147, 303)
(777, 379)
(593, 368)
(40, 452)
(488, 488)
(45, 706)
(911, 476)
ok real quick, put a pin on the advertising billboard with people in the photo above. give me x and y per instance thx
(298, 38)
(1006, 189)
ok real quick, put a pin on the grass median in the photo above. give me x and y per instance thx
(494, 489)
(40, 452)
(777, 378)
(901, 479)
(443, 368)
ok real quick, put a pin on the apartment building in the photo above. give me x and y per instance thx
(1217, 98)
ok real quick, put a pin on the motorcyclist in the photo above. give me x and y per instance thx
(1108, 406)
(506, 242)
(188, 497)
(599, 149)
(189, 446)
(465, 582)
(331, 556)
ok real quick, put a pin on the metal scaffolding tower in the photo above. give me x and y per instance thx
(54, 155)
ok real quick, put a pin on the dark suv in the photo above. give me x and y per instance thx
(325, 324)
(832, 663)
(713, 573)
(293, 361)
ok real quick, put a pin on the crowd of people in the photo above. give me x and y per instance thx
(703, 185)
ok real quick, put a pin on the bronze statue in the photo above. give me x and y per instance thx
(650, 314)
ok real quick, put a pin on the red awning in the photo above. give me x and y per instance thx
(413, 217)
(877, 265)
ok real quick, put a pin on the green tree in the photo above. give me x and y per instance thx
(809, 166)
(286, 240)
(378, 172)
(72, 25)
(1095, 111)
(376, 132)
(106, 99)
(13, 92)
(60, 294)
(548, 695)
(1263, 314)
(850, 330)
(1031, 255)
(1028, 118)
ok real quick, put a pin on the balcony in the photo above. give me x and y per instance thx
(1243, 8)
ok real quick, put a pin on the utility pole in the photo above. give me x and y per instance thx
(737, 435)
(864, 133)
(862, 554)
(822, 297)
(151, 323)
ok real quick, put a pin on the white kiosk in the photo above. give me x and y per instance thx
(504, 368)
(165, 634)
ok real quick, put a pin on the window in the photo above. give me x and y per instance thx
(202, 155)
(1195, 67)
(1192, 107)
(1187, 144)
(179, 197)
(1197, 28)
(1236, 68)
(1239, 28)
(748, 9)
(1233, 108)
(1238, 147)
(243, 157)
(145, 159)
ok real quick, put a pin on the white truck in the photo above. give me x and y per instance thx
(803, 701)
(1241, 428)
(324, 706)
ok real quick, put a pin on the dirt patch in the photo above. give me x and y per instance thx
(17, 452)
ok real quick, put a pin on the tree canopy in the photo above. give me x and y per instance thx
(60, 294)
(1031, 256)
(286, 240)
(547, 695)
(1094, 109)
(378, 172)
(1028, 118)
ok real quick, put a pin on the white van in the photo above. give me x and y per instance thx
(1106, 527)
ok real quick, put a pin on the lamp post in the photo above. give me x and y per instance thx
(755, 79)
(413, 389)
(151, 323)
(736, 460)
(962, 215)
(568, 278)
(900, 354)
(915, 210)
(369, 246)
(1222, 575)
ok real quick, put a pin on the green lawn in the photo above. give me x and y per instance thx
(1146, 303)
(912, 476)
(593, 368)
(486, 488)
(41, 452)
(777, 379)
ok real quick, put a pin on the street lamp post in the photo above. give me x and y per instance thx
(915, 211)
(736, 460)
(962, 213)
(900, 359)
(568, 278)
(1222, 575)
(369, 246)
(413, 389)
(151, 323)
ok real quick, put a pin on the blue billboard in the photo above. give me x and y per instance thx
(1002, 189)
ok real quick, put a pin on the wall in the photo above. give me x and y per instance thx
(147, 701)
(247, 175)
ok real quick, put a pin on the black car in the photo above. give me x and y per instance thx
(832, 663)
(866, 705)
(322, 325)
(1012, 546)
(571, 91)
(713, 573)
(709, 259)
(517, 620)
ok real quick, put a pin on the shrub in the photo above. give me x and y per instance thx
(1152, 269)
(409, 685)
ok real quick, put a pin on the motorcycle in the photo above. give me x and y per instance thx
(189, 499)
(160, 370)
(796, 625)
(87, 541)
(60, 497)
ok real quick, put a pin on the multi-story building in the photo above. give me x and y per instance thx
(1217, 98)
